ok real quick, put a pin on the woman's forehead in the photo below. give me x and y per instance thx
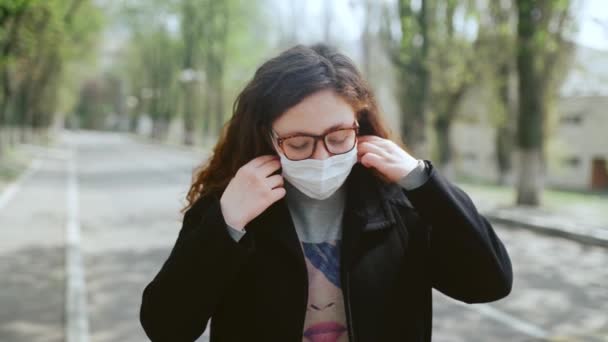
(315, 114)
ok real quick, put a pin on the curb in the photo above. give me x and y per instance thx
(7, 192)
(587, 239)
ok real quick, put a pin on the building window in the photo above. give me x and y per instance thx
(575, 119)
(572, 161)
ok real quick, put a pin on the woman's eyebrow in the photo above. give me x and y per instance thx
(339, 125)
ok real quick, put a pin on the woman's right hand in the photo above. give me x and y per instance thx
(252, 190)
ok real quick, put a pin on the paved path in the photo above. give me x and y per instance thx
(575, 220)
(560, 293)
(129, 196)
(32, 274)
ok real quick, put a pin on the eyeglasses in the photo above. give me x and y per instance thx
(302, 146)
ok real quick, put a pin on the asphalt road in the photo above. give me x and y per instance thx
(126, 210)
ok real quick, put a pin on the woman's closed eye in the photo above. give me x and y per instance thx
(299, 147)
(337, 141)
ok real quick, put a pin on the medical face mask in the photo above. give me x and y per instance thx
(316, 178)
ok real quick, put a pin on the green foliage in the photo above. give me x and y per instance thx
(409, 53)
(37, 39)
(541, 51)
(190, 53)
(436, 64)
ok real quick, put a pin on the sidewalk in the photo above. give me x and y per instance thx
(32, 245)
(575, 216)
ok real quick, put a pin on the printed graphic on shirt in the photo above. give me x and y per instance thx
(325, 320)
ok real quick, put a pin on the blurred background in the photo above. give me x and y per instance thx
(106, 107)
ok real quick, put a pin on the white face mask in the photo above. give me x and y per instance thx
(316, 178)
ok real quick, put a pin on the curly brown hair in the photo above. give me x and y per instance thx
(279, 84)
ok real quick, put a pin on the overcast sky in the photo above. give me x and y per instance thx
(593, 24)
(592, 19)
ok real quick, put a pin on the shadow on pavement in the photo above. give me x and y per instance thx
(32, 296)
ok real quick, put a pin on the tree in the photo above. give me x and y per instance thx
(409, 54)
(540, 50)
(192, 29)
(179, 56)
(435, 68)
(37, 40)
(215, 40)
(153, 61)
(455, 69)
(497, 58)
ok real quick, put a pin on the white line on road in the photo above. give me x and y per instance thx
(507, 319)
(77, 324)
(15, 186)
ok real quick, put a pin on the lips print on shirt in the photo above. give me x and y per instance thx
(325, 318)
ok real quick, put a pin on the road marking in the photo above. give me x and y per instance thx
(77, 324)
(510, 320)
(15, 186)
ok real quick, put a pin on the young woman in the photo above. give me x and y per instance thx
(311, 223)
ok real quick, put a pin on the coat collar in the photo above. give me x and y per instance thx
(369, 198)
(367, 208)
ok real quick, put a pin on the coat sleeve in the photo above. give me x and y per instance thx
(468, 261)
(177, 304)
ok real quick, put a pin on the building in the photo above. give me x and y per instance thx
(577, 147)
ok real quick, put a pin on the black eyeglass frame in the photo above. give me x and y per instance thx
(280, 140)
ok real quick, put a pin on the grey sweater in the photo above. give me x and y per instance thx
(319, 227)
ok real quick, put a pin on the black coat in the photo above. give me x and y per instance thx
(396, 246)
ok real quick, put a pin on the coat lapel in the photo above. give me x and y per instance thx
(368, 209)
(275, 223)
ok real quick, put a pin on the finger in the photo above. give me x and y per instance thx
(382, 143)
(371, 160)
(372, 139)
(268, 168)
(274, 181)
(261, 160)
(277, 193)
(369, 137)
(372, 147)
(377, 140)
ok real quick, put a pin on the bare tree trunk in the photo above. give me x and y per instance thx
(3, 133)
(505, 135)
(531, 109)
(443, 129)
(192, 30)
(366, 39)
(327, 19)
(7, 49)
(530, 177)
(220, 108)
(189, 89)
(415, 83)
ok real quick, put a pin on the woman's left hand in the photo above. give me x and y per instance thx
(385, 156)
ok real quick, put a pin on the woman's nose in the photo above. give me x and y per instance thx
(320, 152)
(321, 307)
